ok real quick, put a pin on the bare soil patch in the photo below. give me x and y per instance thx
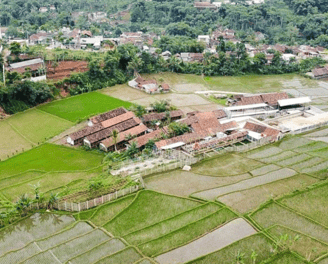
(65, 69)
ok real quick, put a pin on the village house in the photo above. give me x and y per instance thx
(40, 38)
(319, 73)
(148, 86)
(204, 38)
(141, 141)
(43, 9)
(270, 99)
(258, 131)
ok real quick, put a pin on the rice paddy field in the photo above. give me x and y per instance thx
(268, 205)
(82, 106)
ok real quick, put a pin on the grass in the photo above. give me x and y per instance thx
(258, 243)
(286, 258)
(256, 83)
(247, 200)
(38, 126)
(225, 165)
(106, 212)
(81, 107)
(167, 226)
(312, 203)
(48, 157)
(127, 256)
(306, 246)
(148, 208)
(51, 182)
(186, 233)
(274, 214)
(11, 141)
(294, 142)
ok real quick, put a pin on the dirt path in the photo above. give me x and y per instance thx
(220, 238)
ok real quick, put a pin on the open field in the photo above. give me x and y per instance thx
(48, 157)
(217, 239)
(306, 246)
(225, 165)
(246, 184)
(38, 126)
(11, 141)
(141, 213)
(258, 243)
(82, 106)
(274, 214)
(186, 183)
(312, 203)
(250, 199)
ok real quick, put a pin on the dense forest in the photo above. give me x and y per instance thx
(283, 21)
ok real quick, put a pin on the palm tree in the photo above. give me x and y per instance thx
(114, 135)
(52, 200)
(134, 65)
(23, 204)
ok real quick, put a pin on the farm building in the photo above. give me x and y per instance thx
(174, 115)
(268, 98)
(102, 128)
(123, 138)
(35, 67)
(299, 102)
(257, 132)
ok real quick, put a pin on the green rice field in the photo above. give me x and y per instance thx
(82, 106)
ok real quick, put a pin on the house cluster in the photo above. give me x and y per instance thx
(75, 38)
(149, 86)
(139, 39)
(44, 9)
(208, 4)
(98, 133)
(319, 73)
(206, 129)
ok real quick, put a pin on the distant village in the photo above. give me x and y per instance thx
(76, 39)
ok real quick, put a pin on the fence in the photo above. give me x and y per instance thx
(70, 206)
(308, 128)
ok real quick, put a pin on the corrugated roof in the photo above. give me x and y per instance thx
(143, 140)
(108, 115)
(294, 101)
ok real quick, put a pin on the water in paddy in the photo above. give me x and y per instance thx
(35, 227)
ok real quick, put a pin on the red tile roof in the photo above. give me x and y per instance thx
(121, 136)
(165, 86)
(143, 140)
(118, 119)
(186, 138)
(272, 98)
(108, 115)
(161, 116)
(261, 129)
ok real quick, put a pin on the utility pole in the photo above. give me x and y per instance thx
(3, 74)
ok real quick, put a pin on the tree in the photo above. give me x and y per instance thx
(53, 198)
(15, 48)
(134, 65)
(23, 204)
(114, 135)
(178, 128)
(138, 110)
(132, 150)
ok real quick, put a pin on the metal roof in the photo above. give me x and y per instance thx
(294, 101)
(25, 63)
(174, 145)
(242, 107)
